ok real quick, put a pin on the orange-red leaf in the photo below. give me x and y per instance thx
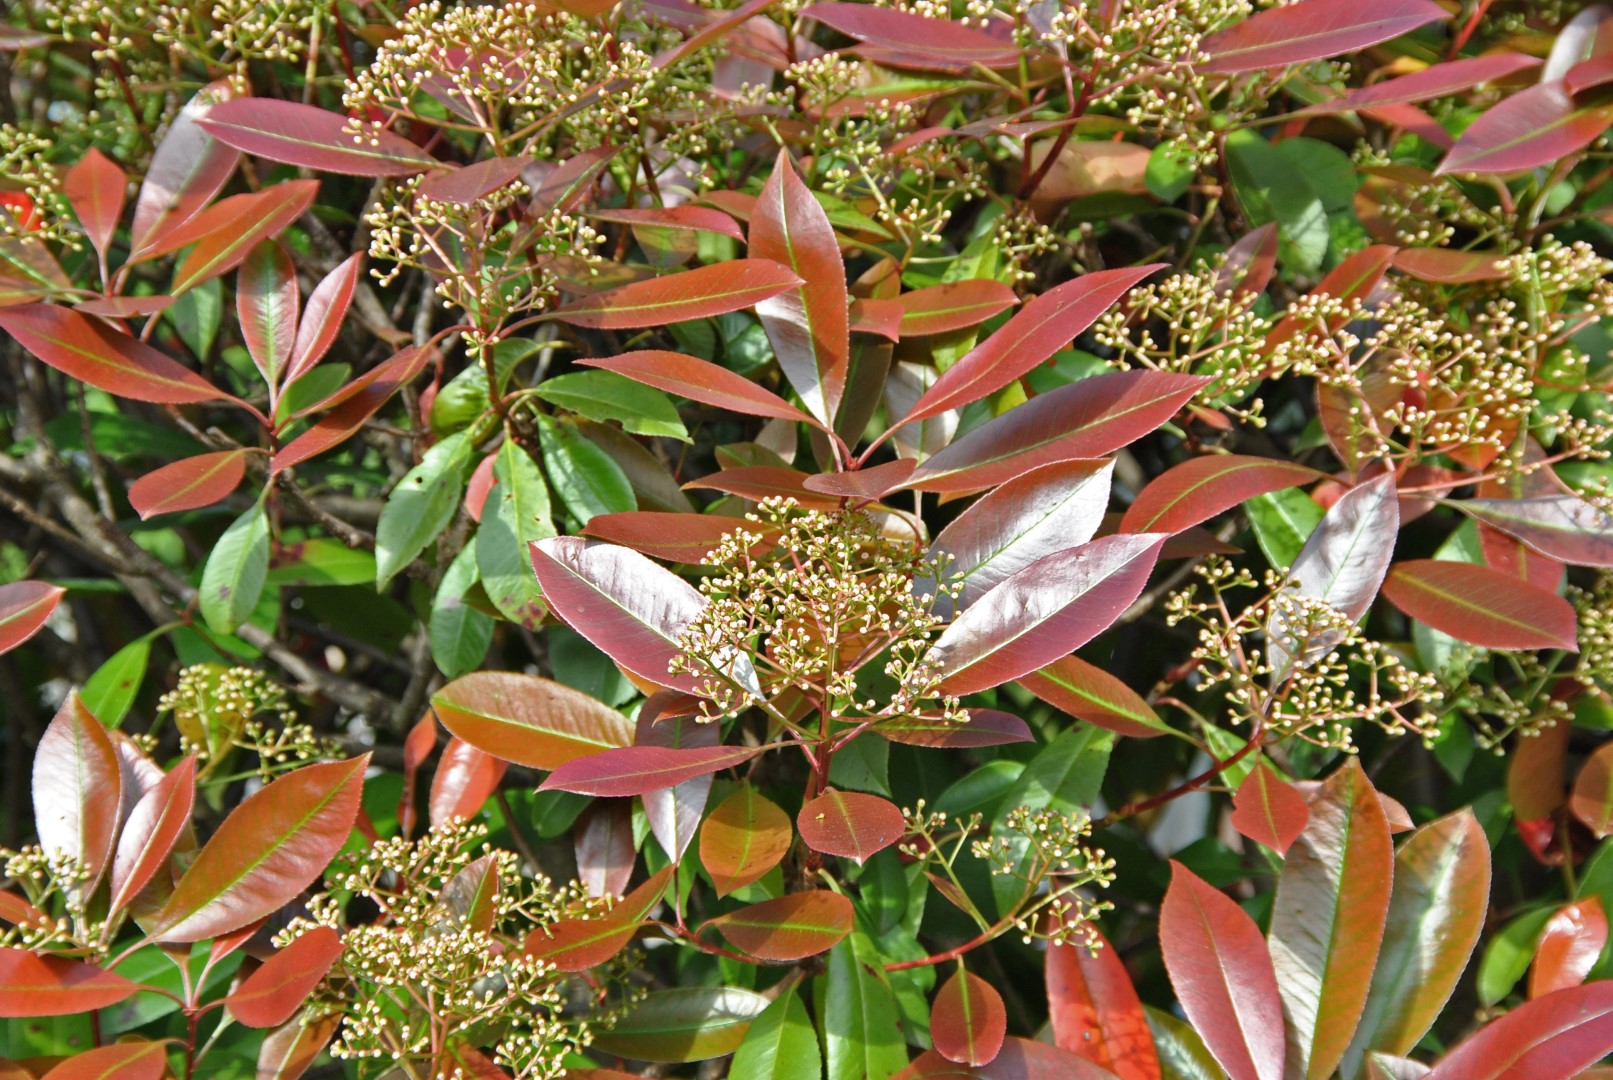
(77, 788)
(579, 944)
(188, 484)
(97, 188)
(153, 828)
(465, 778)
(1095, 1011)
(1569, 947)
(1268, 811)
(1592, 797)
(1089, 693)
(273, 993)
(692, 294)
(968, 1020)
(34, 985)
(850, 824)
(790, 928)
(699, 380)
(743, 838)
(92, 352)
(529, 720)
(634, 770)
(120, 1061)
(1313, 30)
(1202, 487)
(24, 607)
(1481, 605)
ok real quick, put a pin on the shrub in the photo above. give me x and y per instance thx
(587, 538)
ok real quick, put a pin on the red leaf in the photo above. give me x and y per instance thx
(758, 482)
(97, 188)
(850, 824)
(188, 484)
(604, 847)
(633, 770)
(1039, 329)
(77, 786)
(34, 985)
(462, 187)
(1251, 262)
(528, 719)
(92, 352)
(188, 168)
(465, 779)
(579, 944)
(352, 405)
(1352, 280)
(986, 727)
(699, 380)
(1592, 798)
(878, 318)
(807, 324)
(1089, 693)
(628, 606)
(968, 1020)
(1043, 612)
(863, 485)
(1564, 527)
(1019, 1059)
(1095, 1012)
(1570, 945)
(697, 218)
(1268, 811)
(566, 186)
(693, 294)
(1534, 127)
(1200, 488)
(153, 828)
(123, 307)
(1085, 419)
(954, 305)
(227, 231)
(120, 1061)
(1550, 1037)
(1481, 606)
(272, 846)
(1312, 30)
(949, 44)
(288, 1050)
(790, 928)
(1223, 977)
(1536, 772)
(1434, 81)
(742, 839)
(472, 895)
(272, 994)
(681, 538)
(267, 302)
(1446, 266)
(24, 607)
(297, 134)
(322, 318)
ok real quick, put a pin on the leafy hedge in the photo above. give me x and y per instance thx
(1060, 539)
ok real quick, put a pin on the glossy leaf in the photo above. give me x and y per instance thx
(1342, 564)
(322, 317)
(188, 484)
(1481, 606)
(1434, 81)
(273, 993)
(1223, 977)
(1553, 1036)
(953, 305)
(528, 719)
(187, 169)
(680, 538)
(420, 506)
(968, 1021)
(518, 514)
(1032, 516)
(780, 1044)
(77, 786)
(685, 1024)
(1019, 1059)
(1592, 798)
(586, 479)
(790, 928)
(1312, 30)
(465, 779)
(862, 1036)
(579, 944)
(1089, 693)
(349, 412)
(986, 727)
(692, 294)
(276, 843)
(1269, 811)
(1043, 612)
(44, 985)
(850, 824)
(633, 770)
(1086, 419)
(236, 571)
(1447, 266)
(604, 847)
(268, 303)
(1534, 127)
(464, 186)
(699, 380)
(743, 838)
(674, 811)
(863, 485)
(90, 351)
(807, 323)
(288, 1050)
(758, 482)
(1095, 1013)
(1564, 527)
(153, 828)
(140, 1060)
(1038, 330)
(298, 134)
(1537, 772)
(950, 44)
(1570, 946)
(221, 237)
(24, 607)
(1200, 488)
(605, 395)
(97, 188)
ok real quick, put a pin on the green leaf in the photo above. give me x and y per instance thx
(517, 513)
(588, 480)
(110, 692)
(1326, 169)
(1170, 172)
(236, 572)
(420, 507)
(605, 395)
(1508, 954)
(459, 633)
(1064, 776)
(1269, 188)
(323, 562)
(861, 1031)
(686, 1024)
(1182, 1054)
(1283, 521)
(197, 315)
(780, 1044)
